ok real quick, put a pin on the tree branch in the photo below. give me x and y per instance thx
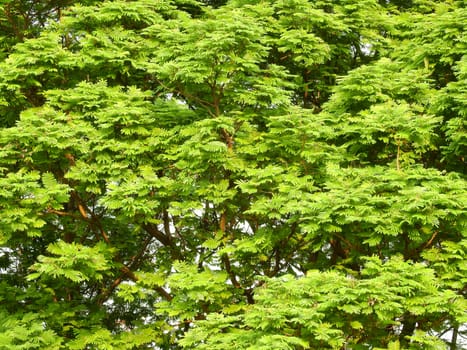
(228, 269)
(165, 239)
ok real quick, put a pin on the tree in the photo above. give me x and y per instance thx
(277, 175)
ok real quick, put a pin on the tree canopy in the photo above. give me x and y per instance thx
(182, 174)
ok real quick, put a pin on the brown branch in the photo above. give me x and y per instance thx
(109, 291)
(346, 241)
(223, 222)
(61, 213)
(269, 270)
(228, 139)
(70, 158)
(157, 234)
(19, 35)
(455, 334)
(104, 235)
(166, 220)
(93, 219)
(127, 271)
(130, 274)
(277, 263)
(136, 259)
(163, 293)
(430, 241)
(337, 251)
(82, 211)
(249, 296)
(215, 100)
(427, 244)
(165, 239)
(228, 269)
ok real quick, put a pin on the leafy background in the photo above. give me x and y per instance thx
(233, 174)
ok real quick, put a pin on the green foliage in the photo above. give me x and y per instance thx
(26, 331)
(74, 262)
(242, 174)
(329, 310)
